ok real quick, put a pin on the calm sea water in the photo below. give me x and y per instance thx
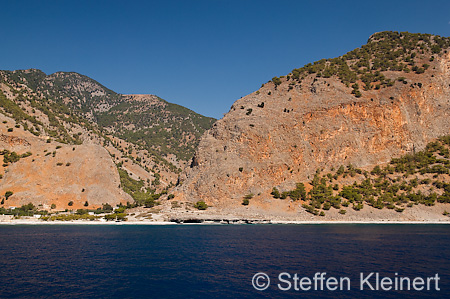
(202, 261)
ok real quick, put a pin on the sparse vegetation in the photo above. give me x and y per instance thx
(385, 51)
(419, 178)
(153, 129)
(200, 205)
(25, 210)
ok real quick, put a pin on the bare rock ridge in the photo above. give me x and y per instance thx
(385, 99)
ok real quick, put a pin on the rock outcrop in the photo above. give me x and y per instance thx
(289, 128)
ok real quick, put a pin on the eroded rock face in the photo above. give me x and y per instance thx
(280, 135)
(57, 174)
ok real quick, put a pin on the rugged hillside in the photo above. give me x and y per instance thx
(149, 139)
(389, 97)
(78, 92)
(155, 125)
(46, 174)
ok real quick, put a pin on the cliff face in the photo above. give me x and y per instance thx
(285, 131)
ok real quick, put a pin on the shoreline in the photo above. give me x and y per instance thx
(237, 222)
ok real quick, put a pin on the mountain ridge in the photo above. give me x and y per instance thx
(379, 101)
(276, 151)
(73, 109)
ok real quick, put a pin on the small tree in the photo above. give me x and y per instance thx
(275, 192)
(245, 201)
(86, 203)
(298, 193)
(107, 208)
(121, 216)
(70, 203)
(200, 205)
(341, 170)
(81, 212)
(276, 81)
(8, 194)
(284, 195)
(109, 217)
(53, 206)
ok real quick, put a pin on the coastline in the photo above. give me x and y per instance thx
(166, 215)
(206, 222)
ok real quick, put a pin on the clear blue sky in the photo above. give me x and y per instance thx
(200, 54)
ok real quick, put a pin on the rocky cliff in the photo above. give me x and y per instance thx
(385, 99)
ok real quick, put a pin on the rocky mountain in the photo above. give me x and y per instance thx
(149, 139)
(155, 125)
(387, 98)
(367, 129)
(62, 175)
(80, 93)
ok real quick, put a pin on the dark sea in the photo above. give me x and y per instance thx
(220, 261)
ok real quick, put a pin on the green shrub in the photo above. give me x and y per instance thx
(249, 196)
(82, 212)
(8, 194)
(107, 208)
(276, 81)
(200, 205)
(275, 193)
(298, 193)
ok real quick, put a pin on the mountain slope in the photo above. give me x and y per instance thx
(385, 99)
(149, 139)
(154, 124)
(46, 174)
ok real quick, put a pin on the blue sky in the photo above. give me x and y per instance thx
(200, 54)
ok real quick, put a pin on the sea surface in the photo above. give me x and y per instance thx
(217, 261)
